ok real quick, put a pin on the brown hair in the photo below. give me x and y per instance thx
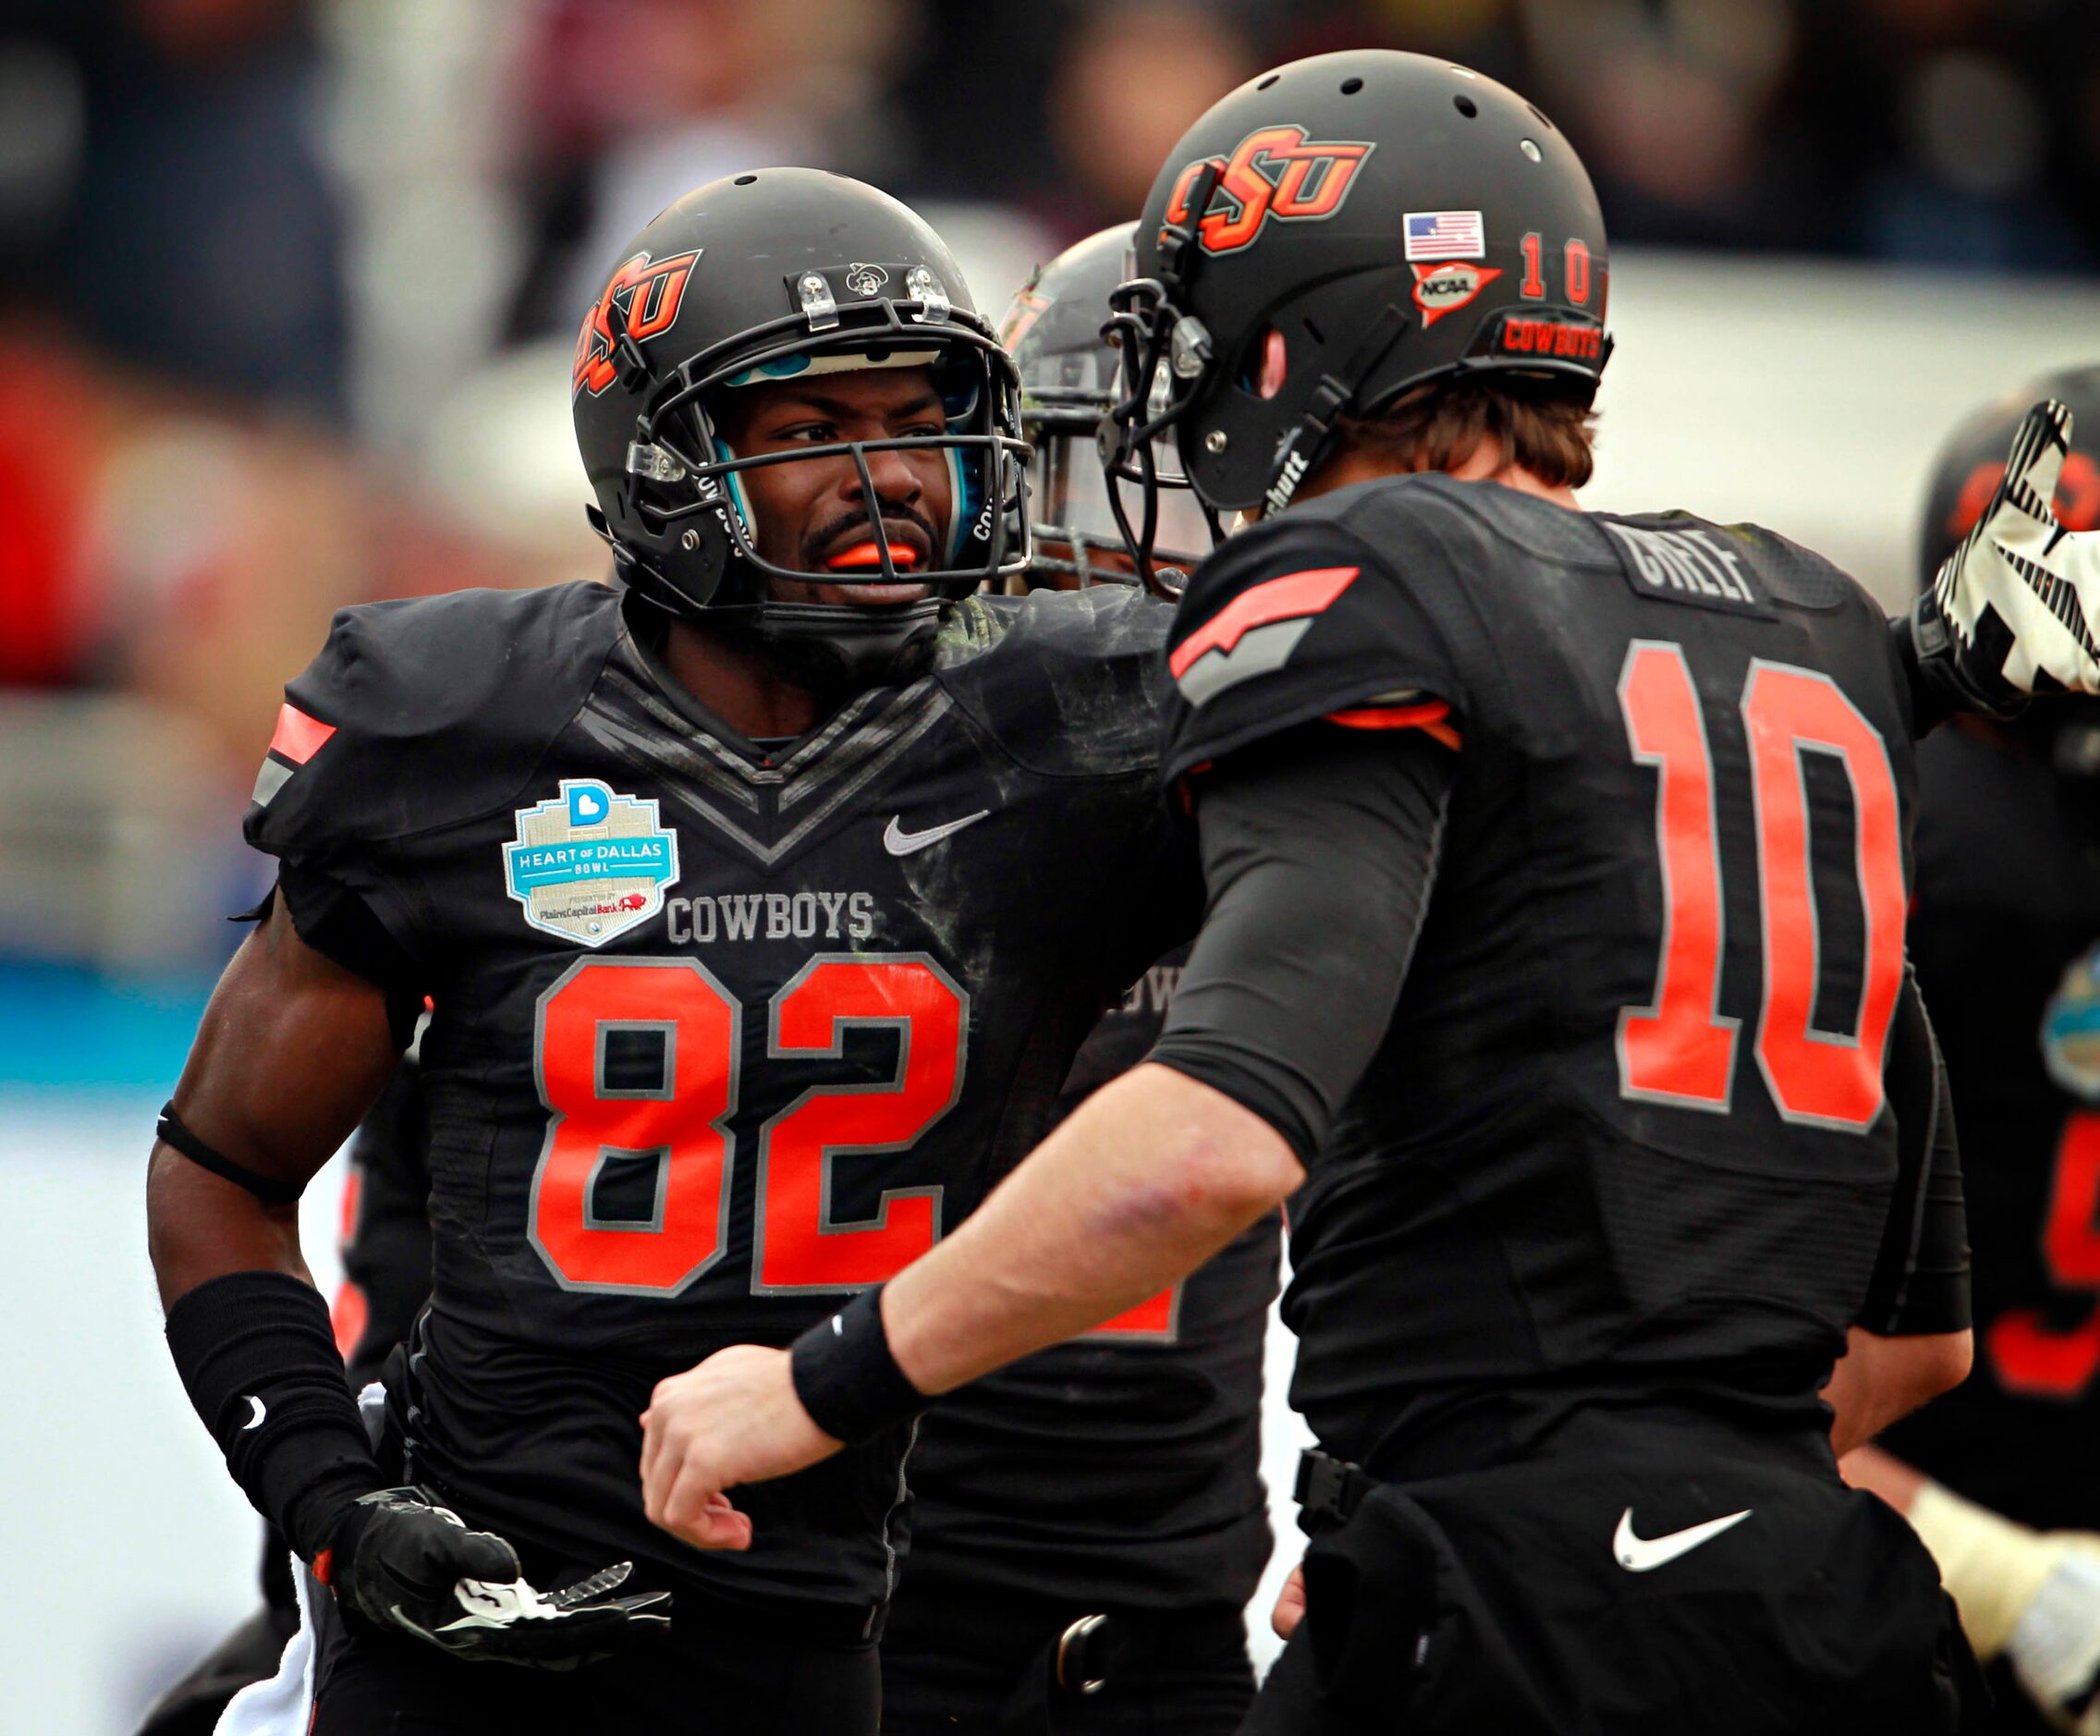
(1436, 426)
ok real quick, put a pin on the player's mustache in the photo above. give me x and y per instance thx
(815, 542)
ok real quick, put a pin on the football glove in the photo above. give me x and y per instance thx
(2034, 1596)
(2012, 610)
(399, 1560)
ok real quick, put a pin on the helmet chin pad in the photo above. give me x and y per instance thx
(843, 648)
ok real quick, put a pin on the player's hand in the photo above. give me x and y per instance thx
(2055, 1647)
(399, 1560)
(2019, 599)
(734, 1419)
(1291, 1604)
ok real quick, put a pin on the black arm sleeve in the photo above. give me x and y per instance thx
(1921, 1277)
(1319, 849)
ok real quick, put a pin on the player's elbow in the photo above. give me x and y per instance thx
(1913, 1369)
(1942, 1362)
(1249, 1171)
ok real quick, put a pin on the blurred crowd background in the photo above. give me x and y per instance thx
(288, 289)
(283, 285)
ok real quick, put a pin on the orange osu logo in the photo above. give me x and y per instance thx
(1274, 172)
(644, 292)
(2077, 502)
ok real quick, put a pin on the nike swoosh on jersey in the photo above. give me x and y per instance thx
(899, 842)
(1643, 1555)
(256, 1416)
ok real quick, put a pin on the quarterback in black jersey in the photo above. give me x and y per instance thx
(1088, 1525)
(1557, 867)
(764, 900)
(2004, 934)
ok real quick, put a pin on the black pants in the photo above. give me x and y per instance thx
(709, 1677)
(971, 1660)
(1500, 1600)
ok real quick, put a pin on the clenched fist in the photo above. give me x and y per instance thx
(733, 1419)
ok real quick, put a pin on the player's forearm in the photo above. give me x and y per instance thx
(1152, 1175)
(198, 1227)
(1884, 1473)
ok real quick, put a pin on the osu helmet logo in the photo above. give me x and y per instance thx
(645, 293)
(1274, 172)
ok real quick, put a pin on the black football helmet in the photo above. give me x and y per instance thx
(1387, 219)
(760, 278)
(1068, 383)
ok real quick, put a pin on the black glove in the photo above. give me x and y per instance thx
(398, 1560)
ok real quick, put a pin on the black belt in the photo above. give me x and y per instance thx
(1093, 1651)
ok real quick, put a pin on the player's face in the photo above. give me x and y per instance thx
(815, 515)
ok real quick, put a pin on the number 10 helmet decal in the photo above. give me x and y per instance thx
(1328, 236)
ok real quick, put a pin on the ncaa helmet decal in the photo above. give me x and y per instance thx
(643, 294)
(1444, 290)
(1310, 181)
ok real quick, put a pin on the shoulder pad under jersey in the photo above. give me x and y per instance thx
(1068, 682)
(1786, 572)
(427, 712)
(1330, 608)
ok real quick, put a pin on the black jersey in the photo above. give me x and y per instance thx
(1122, 1470)
(1629, 1123)
(720, 1033)
(2003, 933)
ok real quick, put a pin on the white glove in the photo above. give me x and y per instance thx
(2016, 603)
(2032, 1596)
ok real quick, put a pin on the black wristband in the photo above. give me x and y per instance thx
(259, 1361)
(847, 1378)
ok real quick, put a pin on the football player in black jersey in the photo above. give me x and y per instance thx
(1089, 1526)
(1556, 871)
(764, 902)
(2006, 937)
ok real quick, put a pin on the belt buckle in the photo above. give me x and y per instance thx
(1328, 1488)
(1076, 1669)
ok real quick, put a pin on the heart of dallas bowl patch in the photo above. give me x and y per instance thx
(589, 865)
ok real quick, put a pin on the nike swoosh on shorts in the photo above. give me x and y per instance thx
(1643, 1555)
